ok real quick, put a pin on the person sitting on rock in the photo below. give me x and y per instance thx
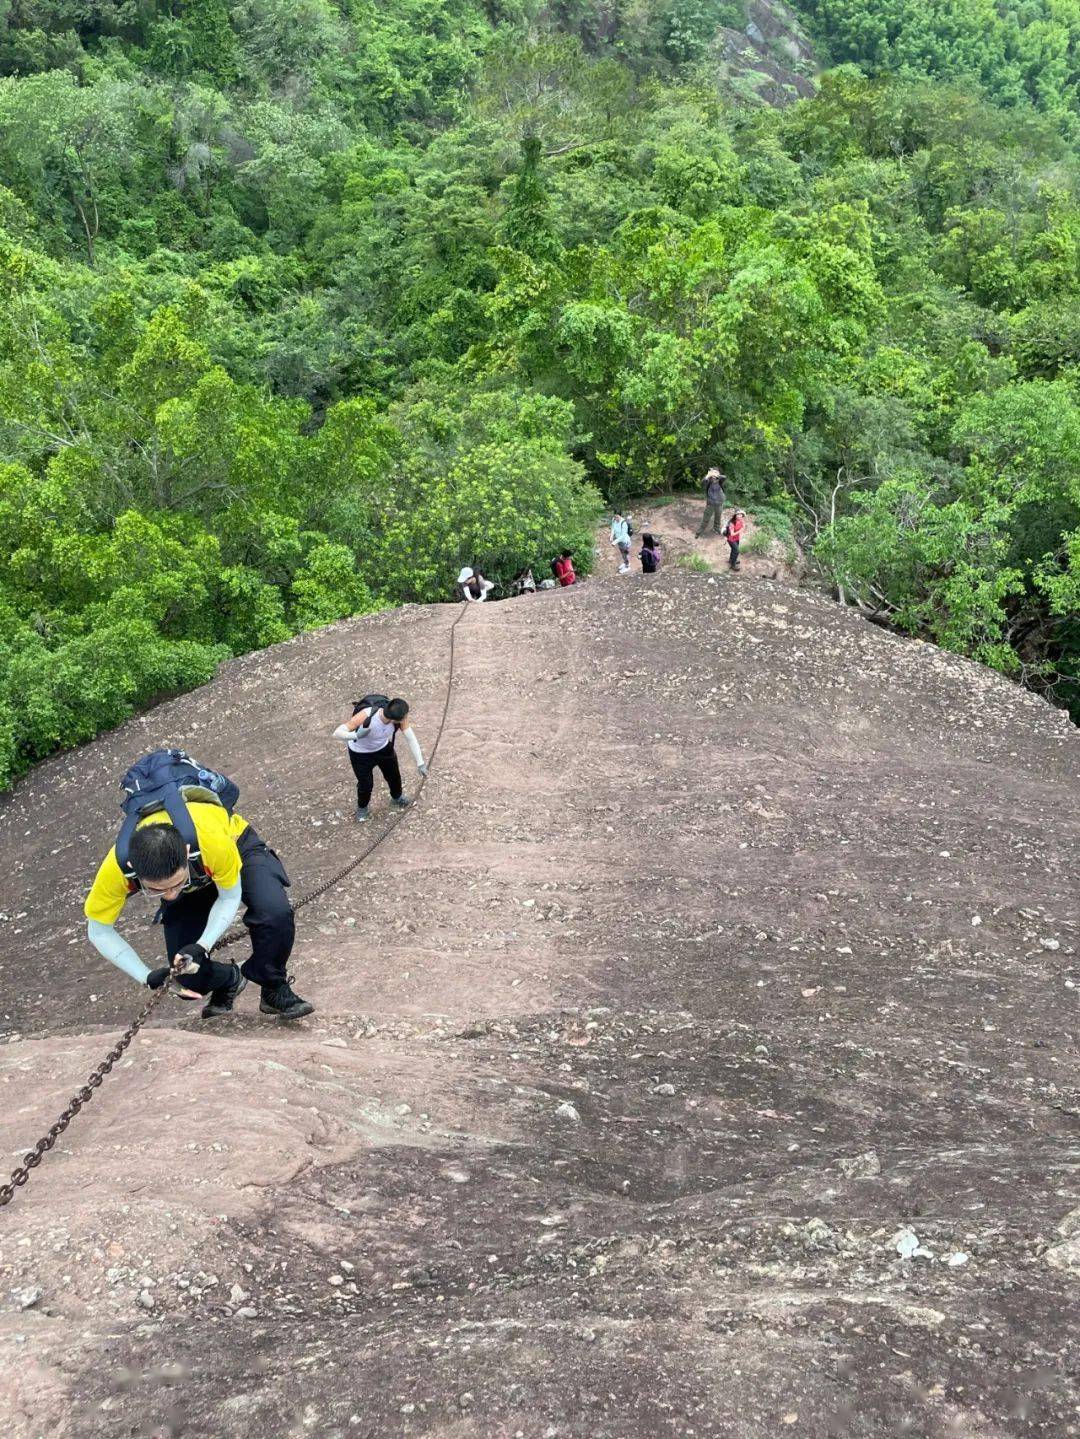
(370, 735)
(563, 568)
(472, 586)
(199, 895)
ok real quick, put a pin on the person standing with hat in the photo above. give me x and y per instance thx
(715, 499)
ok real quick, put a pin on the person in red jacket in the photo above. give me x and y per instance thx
(733, 533)
(564, 569)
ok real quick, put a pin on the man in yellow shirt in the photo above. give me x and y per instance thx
(199, 898)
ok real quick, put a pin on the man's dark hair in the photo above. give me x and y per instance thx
(397, 710)
(157, 852)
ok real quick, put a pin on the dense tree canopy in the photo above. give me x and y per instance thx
(305, 304)
(1019, 54)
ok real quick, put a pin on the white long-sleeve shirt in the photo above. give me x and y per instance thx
(343, 732)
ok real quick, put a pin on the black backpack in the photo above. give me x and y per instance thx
(374, 703)
(167, 779)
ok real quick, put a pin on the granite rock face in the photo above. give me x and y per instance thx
(640, 1048)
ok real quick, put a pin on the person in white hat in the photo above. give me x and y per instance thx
(471, 585)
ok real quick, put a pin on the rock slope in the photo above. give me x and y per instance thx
(699, 1057)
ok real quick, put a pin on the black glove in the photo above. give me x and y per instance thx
(157, 977)
(194, 952)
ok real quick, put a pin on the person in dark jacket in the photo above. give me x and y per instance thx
(715, 498)
(650, 554)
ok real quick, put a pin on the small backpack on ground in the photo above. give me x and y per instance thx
(374, 703)
(166, 779)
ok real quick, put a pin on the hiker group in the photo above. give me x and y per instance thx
(622, 532)
(473, 587)
(715, 500)
(183, 845)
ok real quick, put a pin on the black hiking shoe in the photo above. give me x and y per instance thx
(284, 1003)
(401, 802)
(221, 999)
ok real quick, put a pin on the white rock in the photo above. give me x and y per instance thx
(860, 1166)
(908, 1246)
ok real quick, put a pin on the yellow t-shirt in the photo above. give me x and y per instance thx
(217, 832)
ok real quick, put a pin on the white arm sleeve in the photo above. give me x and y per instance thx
(344, 732)
(222, 913)
(414, 746)
(111, 946)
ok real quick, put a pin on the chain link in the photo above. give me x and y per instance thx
(76, 1102)
(33, 1158)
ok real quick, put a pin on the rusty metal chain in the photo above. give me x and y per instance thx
(235, 935)
(33, 1157)
(75, 1103)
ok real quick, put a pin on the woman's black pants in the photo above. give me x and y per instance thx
(364, 766)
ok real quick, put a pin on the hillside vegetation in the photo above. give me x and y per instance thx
(304, 305)
(1021, 55)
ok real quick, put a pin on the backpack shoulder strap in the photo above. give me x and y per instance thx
(371, 703)
(172, 802)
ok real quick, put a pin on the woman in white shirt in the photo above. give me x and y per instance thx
(370, 735)
(472, 586)
(620, 536)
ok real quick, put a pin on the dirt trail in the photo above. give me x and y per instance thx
(732, 937)
(675, 521)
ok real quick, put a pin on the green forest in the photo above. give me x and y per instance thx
(306, 303)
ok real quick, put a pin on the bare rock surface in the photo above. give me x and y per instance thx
(769, 60)
(698, 1057)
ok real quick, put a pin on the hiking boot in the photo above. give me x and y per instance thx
(221, 999)
(284, 1002)
(361, 813)
(401, 802)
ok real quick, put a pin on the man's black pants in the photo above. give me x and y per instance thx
(267, 914)
(364, 766)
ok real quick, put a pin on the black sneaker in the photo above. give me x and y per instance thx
(221, 1000)
(284, 1003)
(402, 801)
